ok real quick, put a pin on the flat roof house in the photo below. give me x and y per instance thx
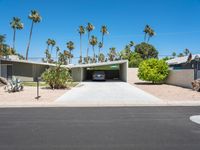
(183, 70)
(29, 70)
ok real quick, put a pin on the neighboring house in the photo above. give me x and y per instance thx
(29, 70)
(183, 71)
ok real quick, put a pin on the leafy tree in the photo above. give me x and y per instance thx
(81, 31)
(93, 42)
(70, 46)
(36, 18)
(146, 50)
(57, 77)
(153, 70)
(47, 56)
(89, 28)
(112, 54)
(16, 24)
(135, 60)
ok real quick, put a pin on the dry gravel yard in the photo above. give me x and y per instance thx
(27, 96)
(169, 92)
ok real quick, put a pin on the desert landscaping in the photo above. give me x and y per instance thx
(169, 92)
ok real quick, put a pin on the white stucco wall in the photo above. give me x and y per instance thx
(182, 77)
(132, 75)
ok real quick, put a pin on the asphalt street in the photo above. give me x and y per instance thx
(128, 128)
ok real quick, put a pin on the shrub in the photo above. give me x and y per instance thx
(57, 77)
(153, 70)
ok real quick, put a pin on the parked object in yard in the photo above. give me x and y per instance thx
(196, 85)
(14, 85)
(99, 76)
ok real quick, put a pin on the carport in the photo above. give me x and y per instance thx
(115, 70)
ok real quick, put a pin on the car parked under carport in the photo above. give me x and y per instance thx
(114, 70)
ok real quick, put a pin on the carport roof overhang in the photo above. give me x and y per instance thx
(119, 62)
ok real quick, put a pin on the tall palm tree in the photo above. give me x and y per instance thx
(81, 31)
(53, 43)
(131, 44)
(89, 28)
(57, 51)
(104, 31)
(186, 52)
(36, 18)
(16, 24)
(174, 54)
(100, 45)
(112, 54)
(48, 43)
(2, 43)
(67, 54)
(151, 34)
(70, 46)
(146, 31)
(93, 42)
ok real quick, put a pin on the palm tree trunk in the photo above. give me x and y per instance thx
(93, 52)
(148, 39)
(14, 39)
(145, 37)
(29, 41)
(80, 49)
(88, 45)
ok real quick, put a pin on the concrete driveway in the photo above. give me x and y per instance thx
(106, 94)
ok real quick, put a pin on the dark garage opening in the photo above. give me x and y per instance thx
(111, 72)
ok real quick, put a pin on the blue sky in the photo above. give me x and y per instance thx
(176, 23)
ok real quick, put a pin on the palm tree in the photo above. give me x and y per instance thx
(67, 54)
(53, 43)
(57, 51)
(101, 57)
(151, 34)
(100, 45)
(70, 46)
(36, 18)
(186, 52)
(93, 42)
(104, 31)
(2, 43)
(48, 43)
(112, 54)
(131, 44)
(146, 31)
(180, 55)
(89, 28)
(173, 54)
(16, 25)
(81, 31)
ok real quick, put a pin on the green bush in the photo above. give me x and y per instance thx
(153, 70)
(57, 77)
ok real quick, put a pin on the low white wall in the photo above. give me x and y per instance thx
(181, 78)
(132, 75)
